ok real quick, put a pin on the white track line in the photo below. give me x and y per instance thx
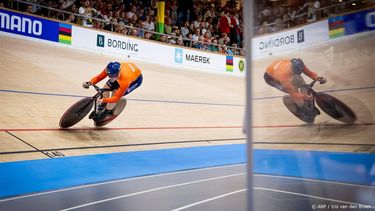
(209, 199)
(122, 180)
(310, 196)
(314, 180)
(151, 190)
(273, 190)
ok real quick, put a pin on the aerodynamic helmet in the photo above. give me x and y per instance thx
(113, 69)
(297, 66)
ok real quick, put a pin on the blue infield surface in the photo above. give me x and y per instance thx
(24, 177)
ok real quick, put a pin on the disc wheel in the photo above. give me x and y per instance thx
(335, 108)
(76, 112)
(116, 111)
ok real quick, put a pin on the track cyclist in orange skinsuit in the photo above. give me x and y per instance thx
(285, 75)
(123, 79)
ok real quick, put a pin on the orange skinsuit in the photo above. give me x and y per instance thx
(281, 71)
(129, 72)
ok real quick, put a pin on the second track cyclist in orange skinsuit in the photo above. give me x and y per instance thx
(123, 79)
(285, 75)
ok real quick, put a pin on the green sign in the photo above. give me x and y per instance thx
(241, 65)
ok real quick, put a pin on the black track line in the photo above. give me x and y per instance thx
(37, 150)
(126, 145)
(192, 141)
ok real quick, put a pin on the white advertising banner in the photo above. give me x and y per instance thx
(99, 41)
(152, 51)
(293, 39)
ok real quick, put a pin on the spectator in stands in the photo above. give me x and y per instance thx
(210, 13)
(180, 42)
(116, 14)
(149, 24)
(64, 4)
(168, 26)
(207, 37)
(185, 29)
(111, 26)
(134, 20)
(171, 40)
(163, 38)
(122, 17)
(87, 12)
(141, 14)
(197, 34)
(141, 26)
(148, 35)
(71, 19)
(107, 17)
(227, 50)
(235, 49)
(173, 9)
(132, 12)
(176, 31)
(73, 9)
(214, 48)
(119, 28)
(224, 39)
(234, 30)
(202, 26)
(29, 9)
(197, 22)
(100, 7)
(134, 32)
(187, 42)
(224, 22)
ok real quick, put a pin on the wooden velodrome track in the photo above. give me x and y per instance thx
(175, 107)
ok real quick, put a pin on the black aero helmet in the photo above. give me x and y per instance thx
(297, 65)
(113, 68)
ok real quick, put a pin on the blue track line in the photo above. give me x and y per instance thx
(40, 93)
(180, 102)
(333, 90)
(141, 100)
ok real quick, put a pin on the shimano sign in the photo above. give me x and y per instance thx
(20, 24)
(27, 25)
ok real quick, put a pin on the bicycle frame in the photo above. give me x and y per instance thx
(311, 91)
(99, 93)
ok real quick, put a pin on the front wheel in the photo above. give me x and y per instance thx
(76, 112)
(335, 108)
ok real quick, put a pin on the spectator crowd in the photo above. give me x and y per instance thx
(213, 25)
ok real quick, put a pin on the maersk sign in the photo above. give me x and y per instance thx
(27, 25)
(197, 59)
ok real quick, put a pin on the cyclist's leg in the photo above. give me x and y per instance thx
(270, 81)
(134, 85)
(299, 82)
(110, 85)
